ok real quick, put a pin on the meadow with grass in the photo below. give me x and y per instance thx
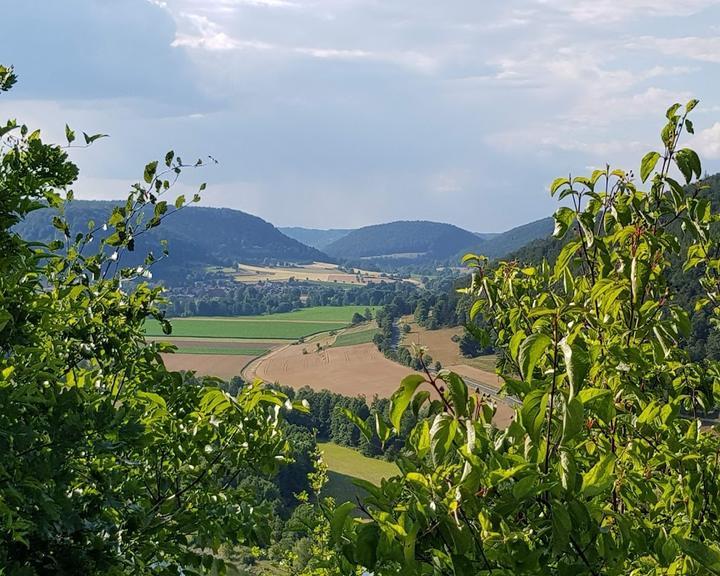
(283, 326)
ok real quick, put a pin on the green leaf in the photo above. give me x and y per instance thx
(573, 419)
(359, 422)
(600, 477)
(179, 201)
(706, 555)
(442, 434)
(671, 111)
(381, 428)
(90, 139)
(557, 183)
(5, 317)
(150, 171)
(366, 545)
(458, 391)
(418, 400)
(561, 527)
(69, 134)
(401, 398)
(691, 105)
(531, 350)
(337, 522)
(577, 364)
(564, 217)
(532, 412)
(648, 164)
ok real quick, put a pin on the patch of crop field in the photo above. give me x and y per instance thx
(353, 338)
(441, 346)
(350, 370)
(226, 328)
(221, 350)
(344, 464)
(223, 366)
(315, 272)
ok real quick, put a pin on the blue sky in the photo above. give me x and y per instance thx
(341, 113)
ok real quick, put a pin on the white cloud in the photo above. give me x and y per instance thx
(611, 11)
(707, 142)
(207, 35)
(694, 47)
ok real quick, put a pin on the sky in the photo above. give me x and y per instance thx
(343, 113)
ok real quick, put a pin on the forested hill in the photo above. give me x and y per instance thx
(196, 236)
(405, 240)
(315, 237)
(502, 244)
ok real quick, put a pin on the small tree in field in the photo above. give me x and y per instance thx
(606, 468)
(109, 463)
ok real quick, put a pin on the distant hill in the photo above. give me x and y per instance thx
(404, 241)
(502, 244)
(315, 237)
(197, 237)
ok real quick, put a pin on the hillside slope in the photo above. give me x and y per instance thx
(506, 242)
(196, 236)
(314, 237)
(418, 240)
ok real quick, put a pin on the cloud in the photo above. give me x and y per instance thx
(707, 142)
(207, 35)
(602, 12)
(705, 49)
(348, 112)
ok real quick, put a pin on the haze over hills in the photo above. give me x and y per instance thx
(315, 237)
(197, 236)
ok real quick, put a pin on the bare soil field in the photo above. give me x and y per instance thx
(350, 370)
(441, 347)
(221, 365)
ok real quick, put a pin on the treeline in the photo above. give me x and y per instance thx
(228, 298)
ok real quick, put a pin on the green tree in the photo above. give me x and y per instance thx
(606, 468)
(110, 463)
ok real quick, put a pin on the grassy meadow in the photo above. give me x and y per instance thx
(284, 326)
(344, 464)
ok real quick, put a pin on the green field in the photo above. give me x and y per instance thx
(221, 350)
(285, 326)
(353, 338)
(344, 464)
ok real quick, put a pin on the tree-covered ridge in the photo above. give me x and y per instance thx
(404, 240)
(199, 236)
(506, 242)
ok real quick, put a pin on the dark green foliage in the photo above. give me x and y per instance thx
(199, 237)
(404, 241)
